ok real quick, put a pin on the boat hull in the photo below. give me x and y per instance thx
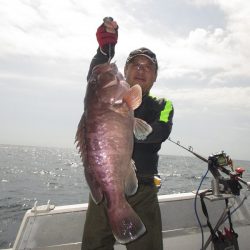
(61, 227)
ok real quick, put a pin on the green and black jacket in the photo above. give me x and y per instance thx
(156, 112)
(159, 114)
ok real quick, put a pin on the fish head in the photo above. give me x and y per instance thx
(109, 83)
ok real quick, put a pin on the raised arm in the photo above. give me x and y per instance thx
(106, 35)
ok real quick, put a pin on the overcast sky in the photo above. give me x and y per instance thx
(203, 50)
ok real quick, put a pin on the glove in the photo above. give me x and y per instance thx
(107, 34)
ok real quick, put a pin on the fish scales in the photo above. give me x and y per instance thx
(105, 141)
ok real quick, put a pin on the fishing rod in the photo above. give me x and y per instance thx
(189, 149)
(217, 161)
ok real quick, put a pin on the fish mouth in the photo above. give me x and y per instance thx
(110, 84)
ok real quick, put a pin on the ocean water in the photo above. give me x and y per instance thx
(29, 174)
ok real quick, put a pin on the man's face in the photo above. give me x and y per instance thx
(141, 70)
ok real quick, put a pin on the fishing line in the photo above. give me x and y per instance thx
(195, 209)
(240, 204)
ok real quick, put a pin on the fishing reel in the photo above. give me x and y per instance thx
(220, 159)
(217, 163)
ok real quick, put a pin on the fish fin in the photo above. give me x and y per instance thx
(125, 223)
(96, 195)
(141, 129)
(131, 182)
(95, 189)
(133, 97)
(79, 137)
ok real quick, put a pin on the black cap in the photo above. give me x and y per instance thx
(143, 52)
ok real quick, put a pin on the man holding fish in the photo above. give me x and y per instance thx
(119, 136)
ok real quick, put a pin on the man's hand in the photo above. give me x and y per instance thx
(107, 34)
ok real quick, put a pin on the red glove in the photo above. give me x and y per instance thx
(106, 35)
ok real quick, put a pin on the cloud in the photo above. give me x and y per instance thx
(202, 47)
(66, 29)
(219, 99)
(45, 28)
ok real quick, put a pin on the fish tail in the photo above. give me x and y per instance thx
(125, 223)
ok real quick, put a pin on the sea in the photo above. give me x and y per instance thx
(30, 174)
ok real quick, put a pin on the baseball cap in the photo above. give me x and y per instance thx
(143, 52)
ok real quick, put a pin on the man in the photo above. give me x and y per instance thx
(141, 68)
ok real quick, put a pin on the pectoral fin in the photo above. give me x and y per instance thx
(141, 129)
(133, 97)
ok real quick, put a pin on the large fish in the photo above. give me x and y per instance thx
(105, 141)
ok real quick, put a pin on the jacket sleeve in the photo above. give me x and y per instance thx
(162, 126)
(100, 58)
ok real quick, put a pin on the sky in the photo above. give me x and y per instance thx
(203, 52)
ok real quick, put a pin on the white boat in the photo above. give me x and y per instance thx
(52, 227)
